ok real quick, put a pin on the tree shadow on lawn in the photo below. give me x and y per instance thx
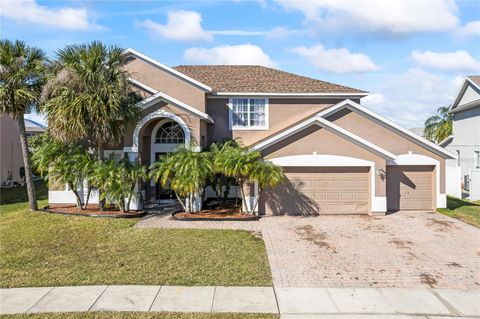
(455, 203)
(19, 194)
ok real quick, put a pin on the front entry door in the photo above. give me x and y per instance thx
(163, 192)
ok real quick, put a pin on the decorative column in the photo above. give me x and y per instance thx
(137, 202)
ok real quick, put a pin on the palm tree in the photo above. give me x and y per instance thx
(220, 183)
(63, 164)
(267, 175)
(438, 127)
(186, 171)
(237, 162)
(246, 165)
(22, 71)
(118, 180)
(90, 98)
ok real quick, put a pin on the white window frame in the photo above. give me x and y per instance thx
(264, 127)
(476, 159)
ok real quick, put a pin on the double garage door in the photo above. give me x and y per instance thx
(346, 190)
(323, 190)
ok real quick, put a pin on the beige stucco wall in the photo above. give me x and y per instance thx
(383, 137)
(316, 139)
(160, 80)
(282, 113)
(10, 148)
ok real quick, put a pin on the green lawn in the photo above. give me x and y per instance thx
(40, 249)
(140, 315)
(468, 212)
(19, 194)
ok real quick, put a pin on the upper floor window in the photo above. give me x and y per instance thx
(170, 133)
(476, 158)
(249, 113)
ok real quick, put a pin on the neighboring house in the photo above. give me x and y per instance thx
(34, 128)
(11, 161)
(465, 140)
(338, 156)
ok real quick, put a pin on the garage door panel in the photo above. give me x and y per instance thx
(410, 187)
(342, 190)
(347, 196)
(348, 184)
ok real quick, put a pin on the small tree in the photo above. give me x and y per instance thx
(245, 165)
(67, 169)
(267, 175)
(22, 72)
(65, 164)
(220, 183)
(236, 162)
(117, 181)
(186, 171)
(439, 126)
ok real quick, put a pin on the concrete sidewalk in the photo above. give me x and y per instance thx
(291, 303)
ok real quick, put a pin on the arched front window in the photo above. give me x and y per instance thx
(170, 133)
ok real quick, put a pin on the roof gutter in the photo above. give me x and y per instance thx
(306, 95)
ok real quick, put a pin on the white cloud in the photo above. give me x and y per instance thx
(273, 33)
(446, 61)
(336, 60)
(410, 98)
(374, 99)
(181, 26)
(398, 17)
(28, 11)
(229, 54)
(238, 32)
(470, 29)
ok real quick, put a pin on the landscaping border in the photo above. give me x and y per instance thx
(246, 219)
(120, 215)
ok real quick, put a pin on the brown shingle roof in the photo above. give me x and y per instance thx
(255, 78)
(475, 79)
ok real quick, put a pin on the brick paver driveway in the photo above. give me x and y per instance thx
(406, 249)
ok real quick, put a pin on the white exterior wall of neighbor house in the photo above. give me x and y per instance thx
(466, 140)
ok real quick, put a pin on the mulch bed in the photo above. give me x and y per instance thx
(215, 215)
(91, 211)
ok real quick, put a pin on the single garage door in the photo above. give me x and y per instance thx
(410, 188)
(323, 190)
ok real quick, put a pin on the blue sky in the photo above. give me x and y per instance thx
(411, 55)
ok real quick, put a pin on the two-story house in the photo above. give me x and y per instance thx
(465, 140)
(339, 157)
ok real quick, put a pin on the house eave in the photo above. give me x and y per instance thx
(389, 125)
(168, 69)
(157, 95)
(329, 126)
(288, 95)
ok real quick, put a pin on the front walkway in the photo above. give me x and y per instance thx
(286, 301)
(406, 249)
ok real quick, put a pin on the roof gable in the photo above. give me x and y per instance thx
(471, 83)
(329, 126)
(143, 57)
(355, 107)
(160, 96)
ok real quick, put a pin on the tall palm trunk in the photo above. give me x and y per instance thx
(32, 196)
(101, 157)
